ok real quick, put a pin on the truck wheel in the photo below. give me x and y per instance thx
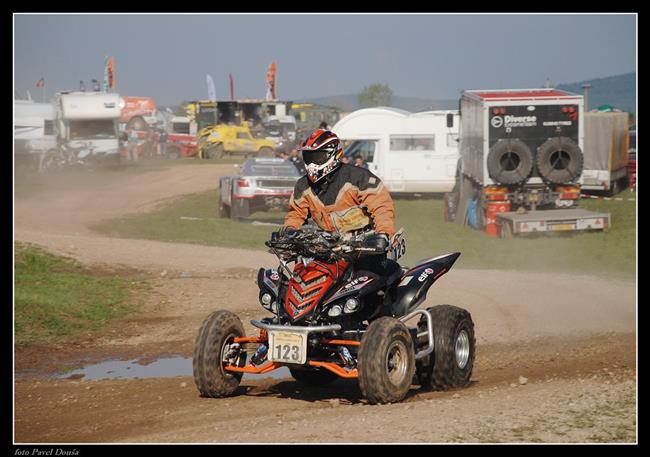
(386, 361)
(506, 230)
(510, 161)
(224, 210)
(452, 360)
(173, 153)
(265, 152)
(559, 160)
(214, 152)
(217, 332)
(240, 208)
(313, 377)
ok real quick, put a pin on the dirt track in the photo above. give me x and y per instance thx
(572, 337)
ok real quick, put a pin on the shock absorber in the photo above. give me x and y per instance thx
(260, 355)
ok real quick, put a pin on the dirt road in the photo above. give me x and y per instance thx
(571, 337)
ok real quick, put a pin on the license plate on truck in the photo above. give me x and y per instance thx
(557, 227)
(287, 347)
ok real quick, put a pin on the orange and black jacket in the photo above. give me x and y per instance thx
(350, 198)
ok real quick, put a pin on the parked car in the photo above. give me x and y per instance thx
(263, 184)
(631, 163)
(217, 140)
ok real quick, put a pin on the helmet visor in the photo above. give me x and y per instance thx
(319, 157)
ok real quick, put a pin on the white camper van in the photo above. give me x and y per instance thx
(33, 127)
(410, 152)
(88, 121)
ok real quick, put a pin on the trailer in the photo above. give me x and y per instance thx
(606, 151)
(521, 158)
(555, 220)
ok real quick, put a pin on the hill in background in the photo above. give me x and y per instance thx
(618, 91)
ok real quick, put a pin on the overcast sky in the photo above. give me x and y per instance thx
(429, 56)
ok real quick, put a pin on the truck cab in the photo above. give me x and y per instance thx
(89, 122)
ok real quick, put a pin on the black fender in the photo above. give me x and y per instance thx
(359, 285)
(413, 287)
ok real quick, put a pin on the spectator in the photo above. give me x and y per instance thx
(359, 162)
(297, 161)
(323, 125)
(162, 144)
(345, 159)
(132, 145)
(284, 155)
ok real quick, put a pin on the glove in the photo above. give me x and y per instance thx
(284, 232)
(378, 242)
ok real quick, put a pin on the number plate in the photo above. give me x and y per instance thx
(287, 347)
(563, 227)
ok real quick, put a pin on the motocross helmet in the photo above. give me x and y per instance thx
(321, 153)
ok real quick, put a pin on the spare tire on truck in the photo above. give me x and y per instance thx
(559, 160)
(510, 161)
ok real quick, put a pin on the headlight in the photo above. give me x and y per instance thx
(214, 136)
(266, 299)
(335, 310)
(351, 305)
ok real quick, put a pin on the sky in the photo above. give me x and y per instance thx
(432, 56)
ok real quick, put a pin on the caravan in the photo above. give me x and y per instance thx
(33, 127)
(88, 122)
(410, 152)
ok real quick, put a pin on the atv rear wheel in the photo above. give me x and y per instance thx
(386, 361)
(313, 377)
(216, 334)
(451, 362)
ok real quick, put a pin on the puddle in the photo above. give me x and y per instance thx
(161, 368)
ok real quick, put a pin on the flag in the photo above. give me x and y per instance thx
(109, 74)
(40, 82)
(270, 82)
(232, 87)
(212, 95)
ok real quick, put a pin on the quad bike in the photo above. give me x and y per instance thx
(331, 320)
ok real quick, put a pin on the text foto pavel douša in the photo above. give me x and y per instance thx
(50, 451)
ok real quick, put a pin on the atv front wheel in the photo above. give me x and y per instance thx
(313, 377)
(451, 362)
(212, 343)
(386, 361)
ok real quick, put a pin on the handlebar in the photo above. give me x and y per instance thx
(317, 243)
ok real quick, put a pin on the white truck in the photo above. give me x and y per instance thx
(88, 122)
(520, 163)
(606, 151)
(412, 153)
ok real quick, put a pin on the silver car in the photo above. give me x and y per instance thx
(264, 184)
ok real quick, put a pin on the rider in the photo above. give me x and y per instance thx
(340, 197)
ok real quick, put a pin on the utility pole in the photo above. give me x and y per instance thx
(586, 87)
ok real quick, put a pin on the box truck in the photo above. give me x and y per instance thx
(520, 163)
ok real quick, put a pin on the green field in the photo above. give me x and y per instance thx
(57, 299)
(607, 253)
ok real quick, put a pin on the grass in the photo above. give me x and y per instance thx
(611, 253)
(57, 299)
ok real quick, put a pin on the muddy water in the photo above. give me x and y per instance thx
(160, 368)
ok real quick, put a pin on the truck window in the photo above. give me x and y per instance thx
(452, 140)
(363, 148)
(243, 136)
(181, 127)
(91, 130)
(412, 143)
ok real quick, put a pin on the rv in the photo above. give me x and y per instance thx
(33, 127)
(410, 152)
(88, 122)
